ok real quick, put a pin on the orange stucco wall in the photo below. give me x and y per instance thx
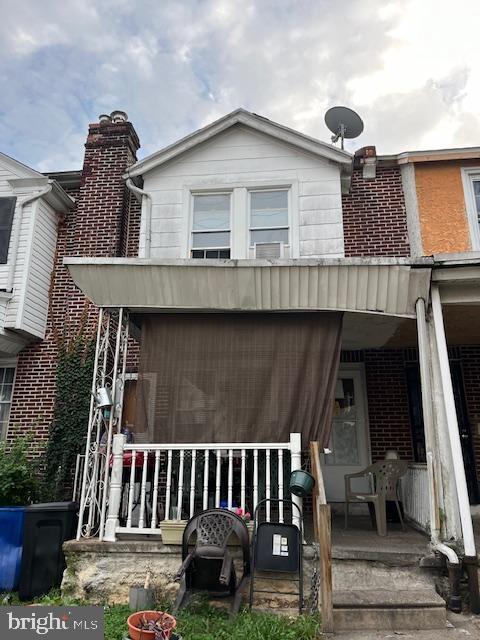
(441, 207)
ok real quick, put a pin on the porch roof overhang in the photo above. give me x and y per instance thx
(384, 286)
(458, 278)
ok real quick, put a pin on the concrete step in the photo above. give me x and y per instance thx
(356, 573)
(392, 610)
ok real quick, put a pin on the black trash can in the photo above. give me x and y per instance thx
(46, 528)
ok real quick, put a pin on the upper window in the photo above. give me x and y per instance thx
(211, 226)
(471, 185)
(268, 216)
(7, 375)
(7, 209)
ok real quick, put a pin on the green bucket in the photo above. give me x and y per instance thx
(301, 483)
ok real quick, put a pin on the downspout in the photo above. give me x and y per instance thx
(470, 559)
(15, 241)
(453, 563)
(148, 213)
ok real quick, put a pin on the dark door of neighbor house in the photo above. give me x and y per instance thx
(465, 430)
(416, 422)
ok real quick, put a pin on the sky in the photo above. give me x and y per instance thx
(410, 68)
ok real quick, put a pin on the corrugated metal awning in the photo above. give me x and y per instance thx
(386, 286)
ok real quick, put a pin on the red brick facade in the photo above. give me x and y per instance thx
(374, 216)
(104, 223)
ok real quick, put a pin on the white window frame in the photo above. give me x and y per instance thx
(8, 364)
(240, 214)
(210, 192)
(469, 175)
(289, 216)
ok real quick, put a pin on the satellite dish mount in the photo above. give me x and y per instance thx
(343, 123)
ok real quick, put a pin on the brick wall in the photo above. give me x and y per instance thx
(374, 217)
(104, 223)
(470, 359)
(388, 410)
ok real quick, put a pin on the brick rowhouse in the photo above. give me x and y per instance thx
(104, 223)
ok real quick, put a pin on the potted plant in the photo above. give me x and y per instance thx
(151, 625)
(18, 489)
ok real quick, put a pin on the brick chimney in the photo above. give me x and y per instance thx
(103, 205)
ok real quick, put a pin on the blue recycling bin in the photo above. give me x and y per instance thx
(11, 541)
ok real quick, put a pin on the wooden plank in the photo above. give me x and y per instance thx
(322, 522)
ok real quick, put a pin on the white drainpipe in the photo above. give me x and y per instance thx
(452, 425)
(148, 214)
(14, 242)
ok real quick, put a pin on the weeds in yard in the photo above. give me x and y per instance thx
(201, 621)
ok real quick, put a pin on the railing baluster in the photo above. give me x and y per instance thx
(143, 490)
(131, 488)
(280, 485)
(255, 478)
(243, 482)
(168, 488)
(205, 480)
(230, 478)
(180, 485)
(217, 479)
(267, 483)
(192, 482)
(155, 489)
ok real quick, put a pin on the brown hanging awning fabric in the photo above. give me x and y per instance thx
(251, 377)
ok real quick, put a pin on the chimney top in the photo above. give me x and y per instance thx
(118, 116)
(104, 118)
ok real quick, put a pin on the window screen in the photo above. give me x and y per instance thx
(7, 209)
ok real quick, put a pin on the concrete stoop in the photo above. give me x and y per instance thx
(390, 610)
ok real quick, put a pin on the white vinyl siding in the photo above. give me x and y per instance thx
(241, 158)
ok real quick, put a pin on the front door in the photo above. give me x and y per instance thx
(349, 443)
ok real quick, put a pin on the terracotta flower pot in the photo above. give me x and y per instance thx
(142, 634)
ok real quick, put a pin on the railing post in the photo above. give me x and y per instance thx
(115, 493)
(295, 464)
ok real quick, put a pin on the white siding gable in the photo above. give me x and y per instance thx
(241, 157)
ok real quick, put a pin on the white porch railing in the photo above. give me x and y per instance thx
(153, 482)
(415, 495)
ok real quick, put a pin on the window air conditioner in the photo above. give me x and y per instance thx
(269, 250)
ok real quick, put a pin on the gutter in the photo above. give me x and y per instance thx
(148, 213)
(15, 241)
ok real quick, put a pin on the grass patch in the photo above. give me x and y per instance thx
(201, 621)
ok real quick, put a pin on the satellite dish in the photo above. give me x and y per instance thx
(343, 123)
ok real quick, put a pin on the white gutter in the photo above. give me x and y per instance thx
(14, 242)
(148, 214)
(452, 424)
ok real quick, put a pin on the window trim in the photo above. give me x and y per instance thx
(469, 175)
(8, 364)
(191, 232)
(288, 227)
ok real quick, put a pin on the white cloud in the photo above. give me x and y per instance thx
(410, 67)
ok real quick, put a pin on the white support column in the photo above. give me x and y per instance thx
(428, 424)
(115, 493)
(452, 424)
(296, 463)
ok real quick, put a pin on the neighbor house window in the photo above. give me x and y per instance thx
(471, 185)
(7, 375)
(7, 209)
(211, 226)
(269, 216)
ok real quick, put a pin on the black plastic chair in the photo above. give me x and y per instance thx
(209, 566)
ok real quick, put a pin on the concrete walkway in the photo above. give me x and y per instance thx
(458, 626)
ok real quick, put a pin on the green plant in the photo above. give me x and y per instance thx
(18, 477)
(72, 402)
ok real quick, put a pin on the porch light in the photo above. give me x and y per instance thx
(104, 397)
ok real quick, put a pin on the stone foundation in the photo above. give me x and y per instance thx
(99, 572)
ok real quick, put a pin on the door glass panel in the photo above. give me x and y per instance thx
(344, 442)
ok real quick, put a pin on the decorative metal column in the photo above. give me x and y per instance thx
(104, 420)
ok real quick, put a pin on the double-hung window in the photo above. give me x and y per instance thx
(7, 375)
(269, 216)
(211, 225)
(7, 210)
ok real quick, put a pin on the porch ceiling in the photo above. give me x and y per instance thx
(381, 286)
